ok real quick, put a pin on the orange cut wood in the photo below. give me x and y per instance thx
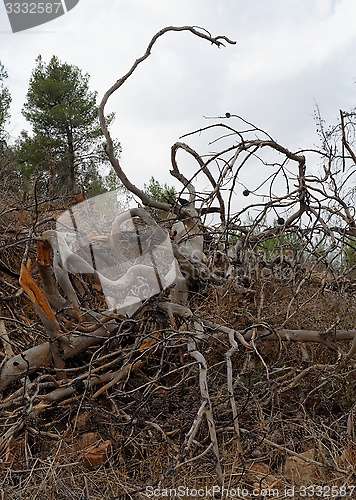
(44, 253)
(33, 291)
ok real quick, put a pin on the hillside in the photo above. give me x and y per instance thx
(202, 339)
(142, 424)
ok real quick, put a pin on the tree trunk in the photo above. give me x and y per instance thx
(71, 158)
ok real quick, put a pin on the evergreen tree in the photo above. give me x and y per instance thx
(67, 143)
(159, 192)
(5, 101)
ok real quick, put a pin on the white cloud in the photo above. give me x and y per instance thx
(281, 49)
(289, 53)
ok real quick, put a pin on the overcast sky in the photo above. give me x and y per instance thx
(290, 55)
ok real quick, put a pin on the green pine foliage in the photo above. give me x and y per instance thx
(349, 253)
(5, 101)
(159, 192)
(67, 145)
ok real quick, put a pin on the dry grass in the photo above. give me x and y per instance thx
(146, 418)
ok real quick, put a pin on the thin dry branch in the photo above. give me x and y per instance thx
(286, 256)
(146, 200)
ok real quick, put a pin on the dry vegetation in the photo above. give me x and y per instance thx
(292, 399)
(242, 377)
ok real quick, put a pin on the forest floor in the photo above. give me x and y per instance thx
(295, 401)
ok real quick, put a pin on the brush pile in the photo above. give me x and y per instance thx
(157, 348)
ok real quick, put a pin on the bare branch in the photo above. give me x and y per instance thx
(218, 41)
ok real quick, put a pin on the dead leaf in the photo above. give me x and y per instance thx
(81, 421)
(85, 441)
(260, 468)
(301, 472)
(97, 455)
(149, 342)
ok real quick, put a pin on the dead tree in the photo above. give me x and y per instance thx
(294, 229)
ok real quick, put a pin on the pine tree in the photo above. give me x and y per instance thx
(5, 101)
(67, 143)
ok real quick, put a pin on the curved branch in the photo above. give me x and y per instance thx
(146, 200)
(187, 183)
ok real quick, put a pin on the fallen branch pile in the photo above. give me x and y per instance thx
(220, 342)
